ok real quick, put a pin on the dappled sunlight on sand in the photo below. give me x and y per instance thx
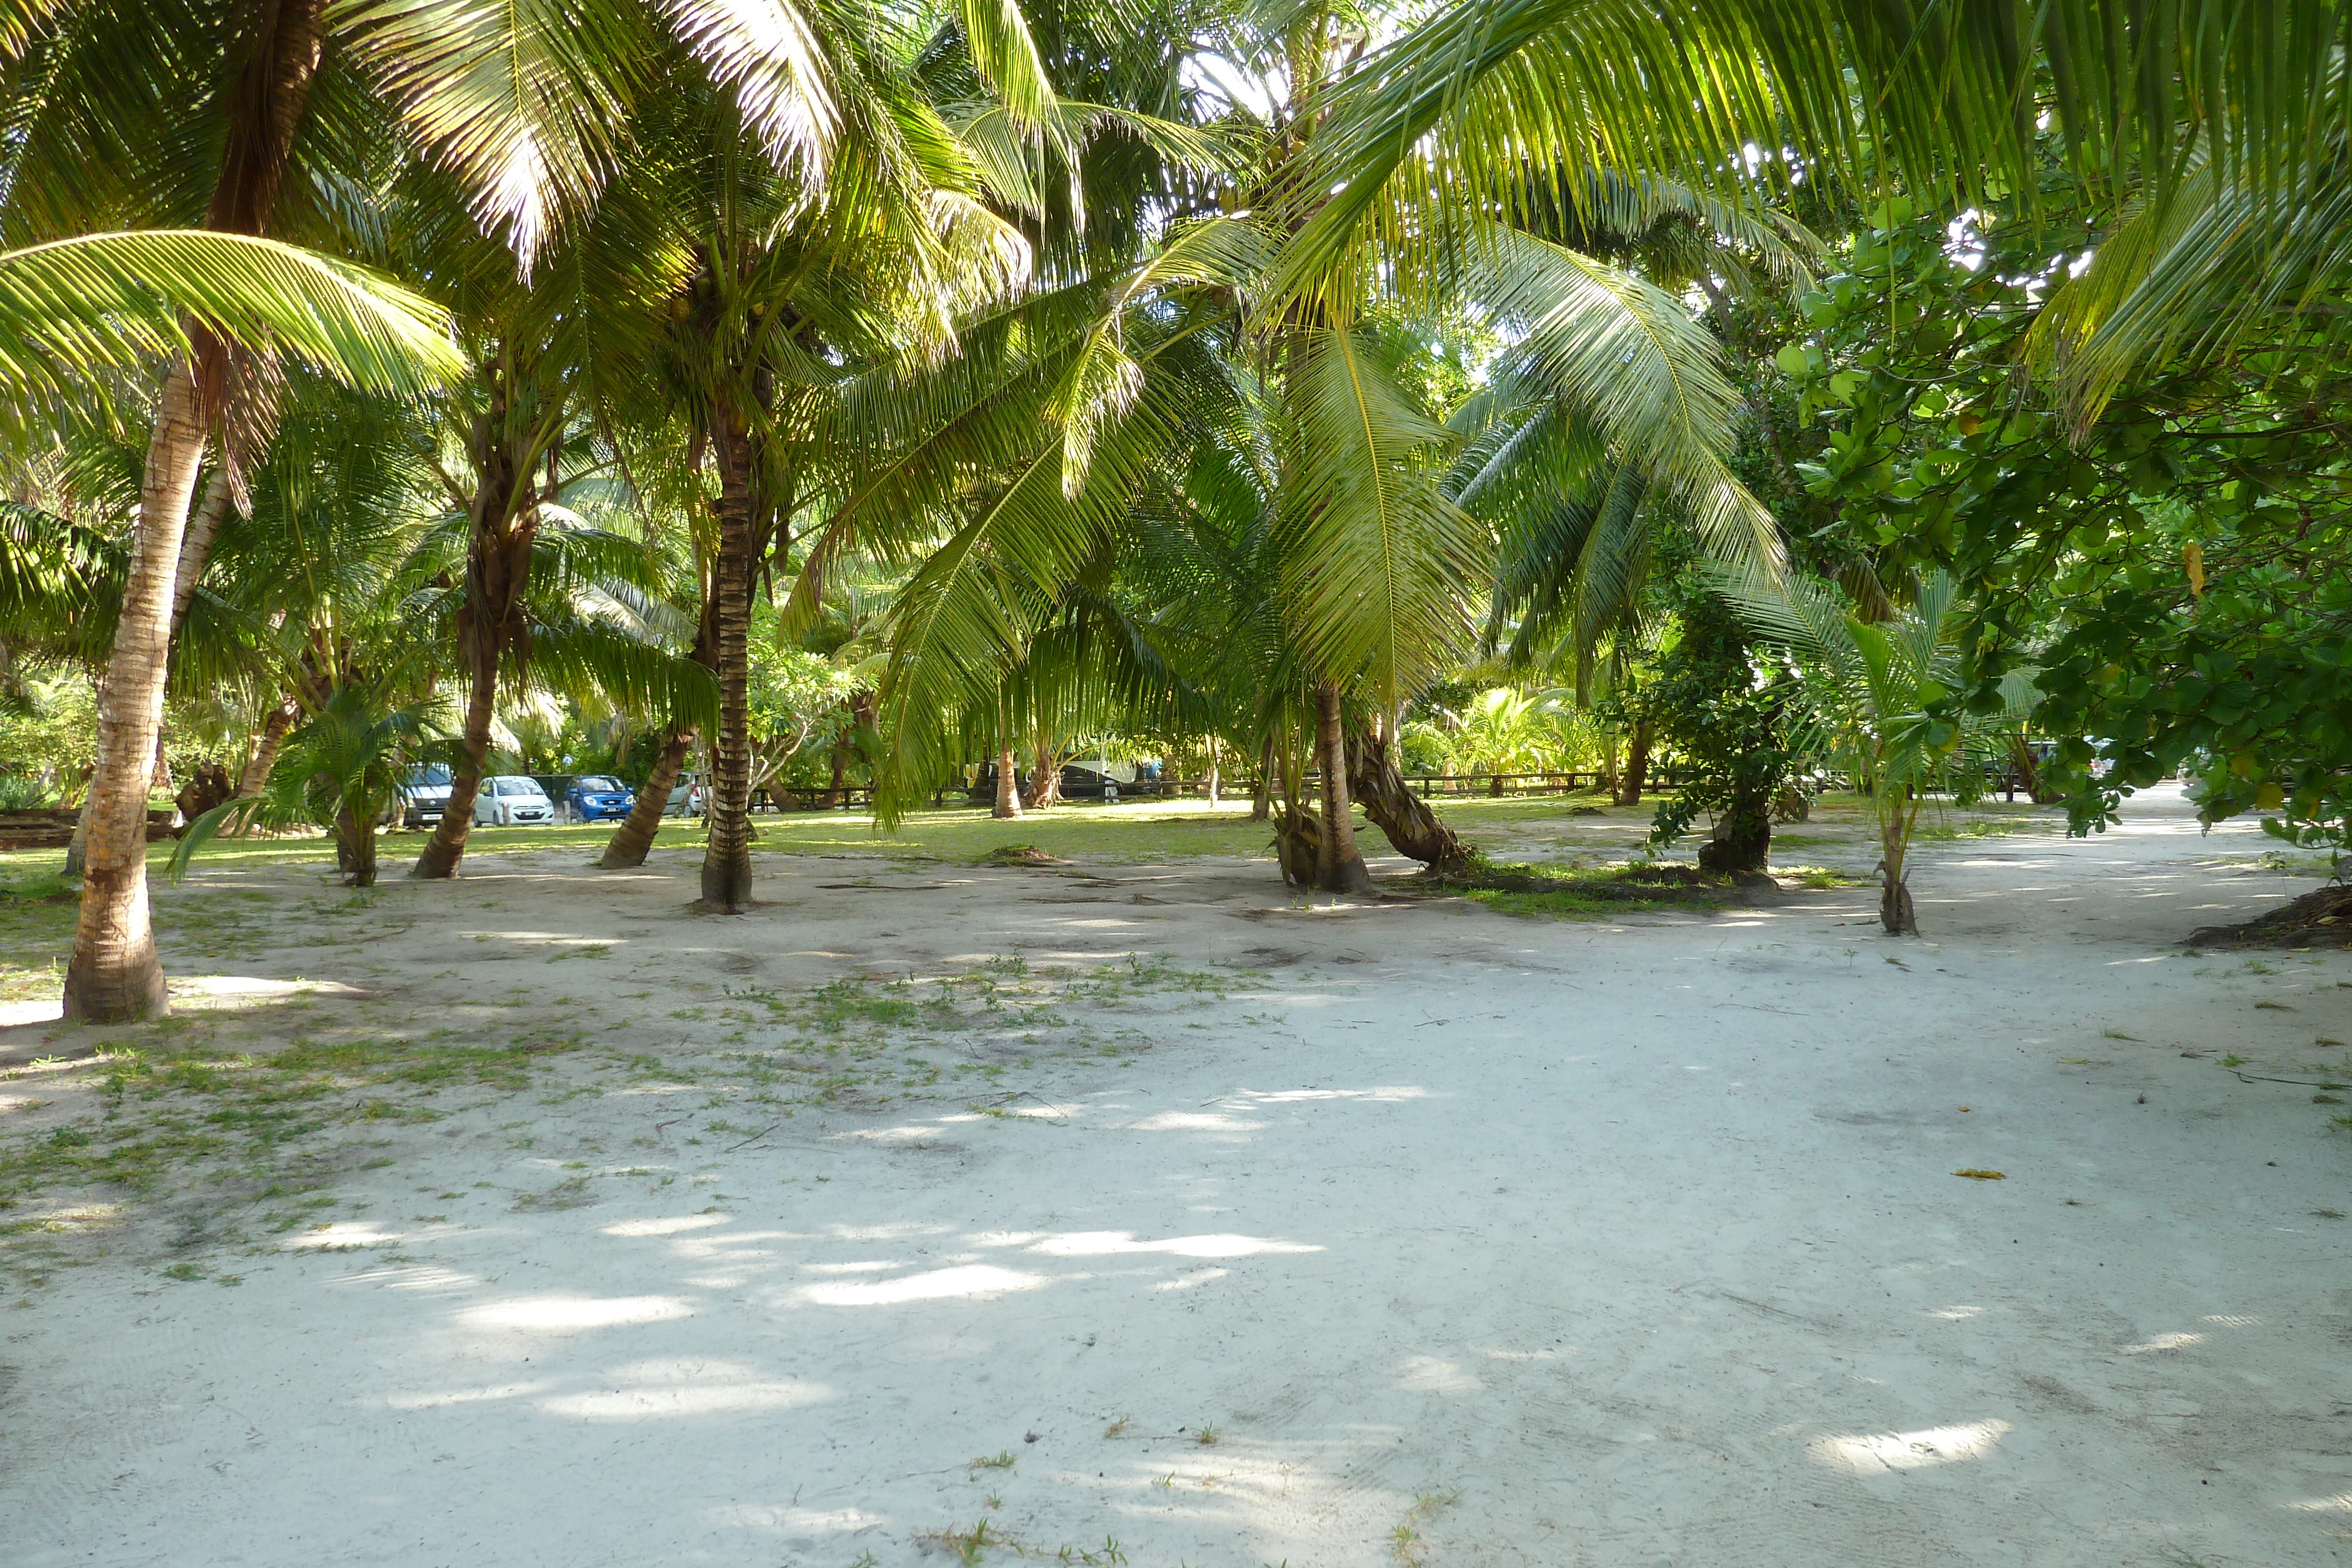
(665, 1227)
(1195, 1122)
(1104, 1243)
(564, 1314)
(658, 1390)
(980, 1280)
(1867, 1456)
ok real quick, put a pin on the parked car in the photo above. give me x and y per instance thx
(685, 797)
(424, 795)
(593, 797)
(556, 787)
(512, 800)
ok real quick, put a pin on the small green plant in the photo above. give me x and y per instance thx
(1207, 1437)
(1000, 1461)
(968, 1545)
(1117, 1426)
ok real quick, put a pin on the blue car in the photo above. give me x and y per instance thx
(594, 797)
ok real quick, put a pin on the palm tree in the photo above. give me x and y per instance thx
(1869, 687)
(521, 111)
(1093, 386)
(340, 771)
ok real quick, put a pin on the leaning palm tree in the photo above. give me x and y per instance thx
(68, 306)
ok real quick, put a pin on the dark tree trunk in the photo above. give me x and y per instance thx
(727, 809)
(634, 836)
(1634, 777)
(355, 849)
(489, 619)
(1389, 802)
(1742, 840)
(1298, 834)
(1262, 791)
(1338, 864)
(1894, 911)
(208, 787)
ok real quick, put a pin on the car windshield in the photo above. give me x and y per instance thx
(432, 775)
(601, 783)
(518, 786)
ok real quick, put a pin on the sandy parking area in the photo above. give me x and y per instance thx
(1466, 1239)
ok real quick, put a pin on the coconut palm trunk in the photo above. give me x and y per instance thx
(634, 836)
(355, 848)
(1008, 787)
(1339, 864)
(1046, 782)
(115, 975)
(726, 857)
(255, 776)
(501, 526)
(1375, 781)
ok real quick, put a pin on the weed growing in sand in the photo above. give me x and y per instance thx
(998, 1461)
(1207, 1437)
(1405, 1541)
(968, 1545)
(1118, 1427)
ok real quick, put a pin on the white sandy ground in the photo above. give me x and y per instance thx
(1639, 1241)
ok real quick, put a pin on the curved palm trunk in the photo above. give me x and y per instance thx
(634, 836)
(447, 845)
(498, 571)
(197, 545)
(1389, 802)
(250, 782)
(114, 975)
(1262, 793)
(1339, 864)
(726, 859)
(1008, 788)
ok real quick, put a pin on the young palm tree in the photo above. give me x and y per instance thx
(1869, 686)
(340, 771)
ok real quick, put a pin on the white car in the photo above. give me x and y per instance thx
(685, 797)
(512, 800)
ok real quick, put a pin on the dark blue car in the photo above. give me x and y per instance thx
(596, 796)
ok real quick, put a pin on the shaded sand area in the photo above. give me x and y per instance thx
(1142, 1213)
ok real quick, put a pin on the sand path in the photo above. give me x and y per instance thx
(1540, 1243)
